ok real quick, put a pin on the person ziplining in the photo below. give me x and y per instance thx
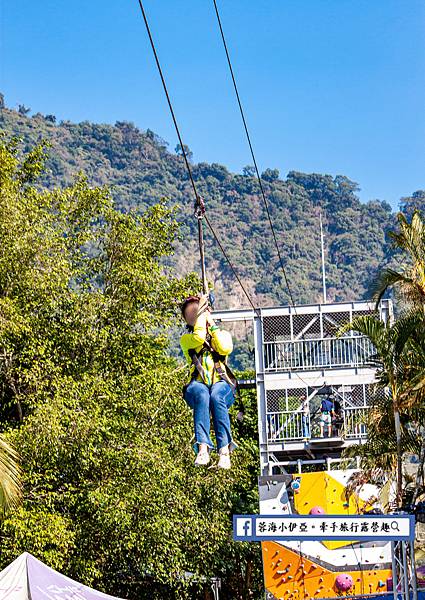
(211, 389)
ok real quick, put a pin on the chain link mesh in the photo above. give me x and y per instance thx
(277, 328)
(286, 400)
(349, 396)
(333, 321)
(306, 326)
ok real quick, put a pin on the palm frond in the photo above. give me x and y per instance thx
(10, 477)
(404, 328)
(386, 279)
(368, 325)
(410, 237)
(410, 282)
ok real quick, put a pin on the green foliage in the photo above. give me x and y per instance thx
(92, 399)
(23, 110)
(141, 171)
(187, 151)
(249, 171)
(410, 283)
(40, 532)
(395, 422)
(270, 175)
(416, 201)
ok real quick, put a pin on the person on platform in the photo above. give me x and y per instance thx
(305, 417)
(338, 419)
(326, 415)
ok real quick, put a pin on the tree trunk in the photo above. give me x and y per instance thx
(399, 456)
(420, 473)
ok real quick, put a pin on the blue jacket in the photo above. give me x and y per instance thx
(327, 405)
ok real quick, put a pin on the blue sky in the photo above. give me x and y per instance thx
(330, 86)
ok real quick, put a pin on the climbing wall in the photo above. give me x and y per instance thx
(314, 569)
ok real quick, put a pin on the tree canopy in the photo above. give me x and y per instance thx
(92, 398)
(395, 421)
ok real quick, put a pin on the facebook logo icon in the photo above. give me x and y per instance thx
(244, 527)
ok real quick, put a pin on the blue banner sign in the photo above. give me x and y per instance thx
(251, 528)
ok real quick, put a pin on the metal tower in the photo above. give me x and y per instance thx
(299, 360)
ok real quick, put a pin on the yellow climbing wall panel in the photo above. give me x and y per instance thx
(288, 575)
(321, 489)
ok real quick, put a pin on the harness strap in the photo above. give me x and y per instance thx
(225, 374)
(198, 364)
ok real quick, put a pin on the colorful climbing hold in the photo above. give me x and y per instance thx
(344, 582)
(317, 510)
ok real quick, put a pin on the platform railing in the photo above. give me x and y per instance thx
(288, 426)
(317, 353)
(355, 423)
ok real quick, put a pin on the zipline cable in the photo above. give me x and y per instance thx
(170, 106)
(200, 214)
(241, 110)
(199, 204)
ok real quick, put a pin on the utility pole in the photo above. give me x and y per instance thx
(322, 245)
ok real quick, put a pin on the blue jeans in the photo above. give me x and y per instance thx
(216, 399)
(305, 424)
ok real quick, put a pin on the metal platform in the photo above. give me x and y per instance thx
(298, 359)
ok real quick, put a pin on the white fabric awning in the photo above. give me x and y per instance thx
(27, 578)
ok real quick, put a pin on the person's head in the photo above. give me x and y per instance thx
(189, 310)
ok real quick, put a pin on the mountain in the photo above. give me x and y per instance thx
(141, 170)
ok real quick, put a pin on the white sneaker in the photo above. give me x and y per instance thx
(202, 458)
(224, 461)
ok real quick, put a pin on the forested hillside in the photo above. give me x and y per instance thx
(141, 169)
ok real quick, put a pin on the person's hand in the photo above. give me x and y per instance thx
(240, 416)
(210, 319)
(203, 304)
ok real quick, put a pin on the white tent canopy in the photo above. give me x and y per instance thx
(29, 579)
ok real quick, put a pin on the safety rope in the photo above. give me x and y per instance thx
(200, 214)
